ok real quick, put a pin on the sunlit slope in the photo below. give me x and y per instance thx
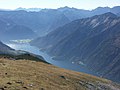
(31, 75)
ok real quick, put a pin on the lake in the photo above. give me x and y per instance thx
(63, 64)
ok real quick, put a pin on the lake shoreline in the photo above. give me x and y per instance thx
(62, 64)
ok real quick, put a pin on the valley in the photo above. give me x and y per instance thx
(64, 48)
(59, 63)
(94, 41)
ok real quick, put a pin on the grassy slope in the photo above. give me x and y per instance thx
(24, 57)
(31, 75)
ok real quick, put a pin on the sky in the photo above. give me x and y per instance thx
(81, 4)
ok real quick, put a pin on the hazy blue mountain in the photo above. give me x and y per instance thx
(9, 30)
(46, 20)
(94, 41)
(118, 14)
(82, 25)
(115, 10)
(101, 10)
(18, 32)
(29, 9)
(40, 22)
(5, 24)
(74, 13)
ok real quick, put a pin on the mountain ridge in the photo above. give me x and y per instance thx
(81, 40)
(53, 18)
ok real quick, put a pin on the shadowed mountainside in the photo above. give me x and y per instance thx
(93, 41)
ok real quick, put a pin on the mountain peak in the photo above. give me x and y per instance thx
(106, 15)
(109, 14)
(102, 8)
(66, 7)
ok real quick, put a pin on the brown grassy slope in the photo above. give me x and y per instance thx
(31, 75)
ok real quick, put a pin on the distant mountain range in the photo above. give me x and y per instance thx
(46, 20)
(39, 22)
(19, 32)
(74, 13)
(29, 9)
(11, 31)
(93, 41)
(98, 10)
